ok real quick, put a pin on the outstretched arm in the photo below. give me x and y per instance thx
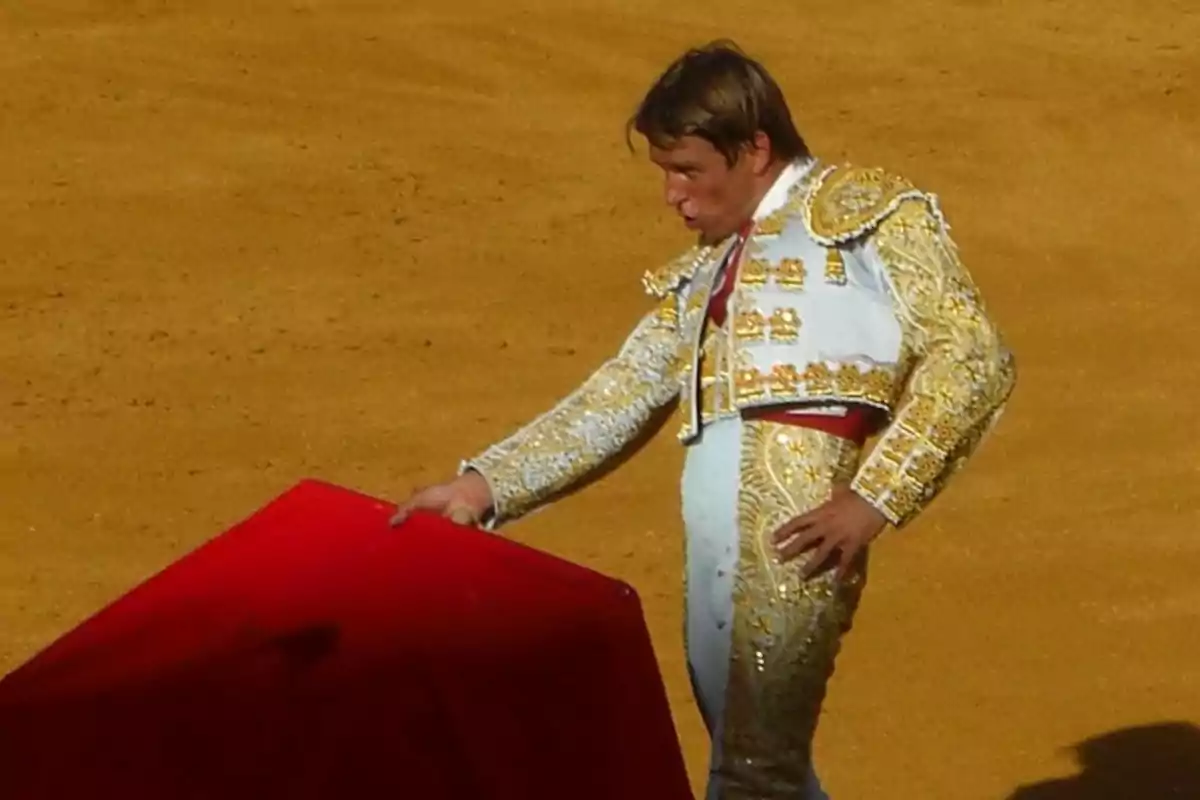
(588, 427)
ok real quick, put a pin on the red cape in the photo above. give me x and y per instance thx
(314, 652)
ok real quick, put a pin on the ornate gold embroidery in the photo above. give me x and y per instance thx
(943, 434)
(924, 468)
(751, 384)
(920, 413)
(753, 272)
(785, 325)
(771, 225)
(874, 385)
(715, 402)
(835, 267)
(790, 273)
(873, 479)
(660, 282)
(692, 325)
(748, 383)
(590, 425)
(719, 389)
(963, 374)
(847, 202)
(880, 384)
(900, 447)
(819, 379)
(786, 632)
(667, 313)
(749, 323)
(692, 332)
(848, 380)
(784, 380)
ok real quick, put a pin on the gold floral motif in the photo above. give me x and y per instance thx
(786, 631)
(875, 385)
(752, 325)
(784, 380)
(849, 380)
(835, 267)
(904, 496)
(749, 323)
(748, 383)
(924, 468)
(918, 417)
(586, 428)
(962, 375)
(753, 272)
(818, 378)
(771, 225)
(943, 434)
(790, 273)
(900, 447)
(785, 325)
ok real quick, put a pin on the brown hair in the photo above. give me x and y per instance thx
(718, 93)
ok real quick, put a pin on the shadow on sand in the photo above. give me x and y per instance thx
(1151, 762)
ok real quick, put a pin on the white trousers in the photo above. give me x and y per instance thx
(710, 491)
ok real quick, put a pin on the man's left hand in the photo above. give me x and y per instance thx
(835, 533)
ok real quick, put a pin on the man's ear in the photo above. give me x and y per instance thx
(760, 152)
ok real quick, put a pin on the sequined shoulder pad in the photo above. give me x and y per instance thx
(846, 202)
(670, 276)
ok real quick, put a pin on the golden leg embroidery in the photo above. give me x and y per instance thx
(786, 632)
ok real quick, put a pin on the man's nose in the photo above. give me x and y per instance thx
(673, 192)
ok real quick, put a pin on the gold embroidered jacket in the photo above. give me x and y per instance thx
(852, 292)
(811, 322)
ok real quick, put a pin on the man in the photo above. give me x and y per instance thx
(822, 305)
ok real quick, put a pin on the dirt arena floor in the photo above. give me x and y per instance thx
(358, 240)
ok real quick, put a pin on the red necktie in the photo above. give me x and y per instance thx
(718, 303)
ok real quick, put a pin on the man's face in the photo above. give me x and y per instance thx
(712, 197)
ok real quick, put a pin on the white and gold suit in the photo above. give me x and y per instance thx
(849, 291)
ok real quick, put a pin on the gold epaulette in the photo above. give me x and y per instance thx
(847, 202)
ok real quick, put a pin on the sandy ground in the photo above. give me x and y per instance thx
(359, 240)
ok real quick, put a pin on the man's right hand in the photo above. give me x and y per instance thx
(466, 500)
